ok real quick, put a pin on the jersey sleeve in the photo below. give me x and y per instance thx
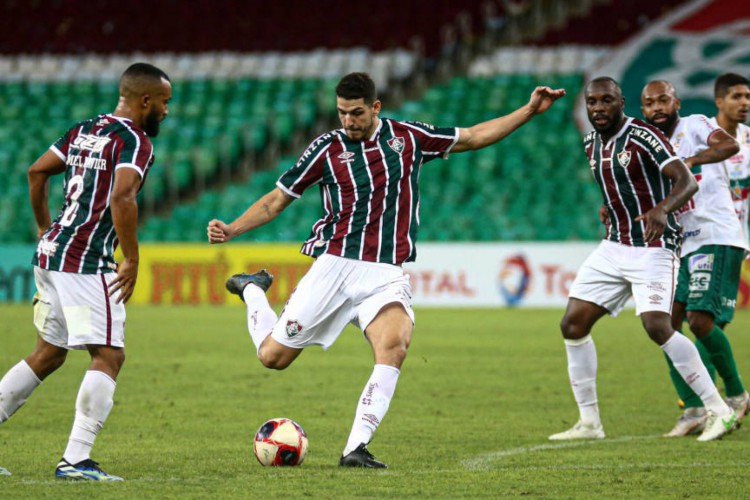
(435, 142)
(62, 145)
(309, 168)
(700, 129)
(658, 149)
(135, 151)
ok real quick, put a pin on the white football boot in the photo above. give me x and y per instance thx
(582, 430)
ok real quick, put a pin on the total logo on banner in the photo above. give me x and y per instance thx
(514, 279)
(689, 48)
(496, 274)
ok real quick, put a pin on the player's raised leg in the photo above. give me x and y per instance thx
(260, 316)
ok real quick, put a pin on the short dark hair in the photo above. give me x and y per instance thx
(727, 80)
(605, 79)
(357, 86)
(142, 69)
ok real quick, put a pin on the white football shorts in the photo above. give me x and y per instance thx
(337, 291)
(74, 310)
(615, 272)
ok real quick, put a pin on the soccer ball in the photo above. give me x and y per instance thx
(280, 441)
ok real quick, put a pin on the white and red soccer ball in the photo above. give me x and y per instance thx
(280, 441)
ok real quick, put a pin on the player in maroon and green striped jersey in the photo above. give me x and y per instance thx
(81, 291)
(368, 176)
(642, 184)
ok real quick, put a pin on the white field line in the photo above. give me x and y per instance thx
(483, 461)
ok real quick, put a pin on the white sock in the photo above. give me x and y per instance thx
(582, 366)
(687, 361)
(373, 405)
(260, 317)
(92, 408)
(15, 387)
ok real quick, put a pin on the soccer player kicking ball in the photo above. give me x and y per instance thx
(642, 183)
(81, 290)
(714, 244)
(368, 174)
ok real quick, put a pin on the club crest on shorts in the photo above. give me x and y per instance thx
(624, 158)
(293, 327)
(397, 144)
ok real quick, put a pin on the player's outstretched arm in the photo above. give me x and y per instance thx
(720, 147)
(46, 166)
(486, 133)
(266, 209)
(684, 186)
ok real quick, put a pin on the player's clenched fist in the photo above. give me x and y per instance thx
(218, 232)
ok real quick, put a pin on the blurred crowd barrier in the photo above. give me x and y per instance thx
(520, 274)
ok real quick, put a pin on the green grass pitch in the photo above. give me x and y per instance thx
(479, 393)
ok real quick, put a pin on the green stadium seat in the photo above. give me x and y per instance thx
(508, 191)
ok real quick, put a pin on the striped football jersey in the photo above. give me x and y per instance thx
(369, 189)
(628, 171)
(82, 238)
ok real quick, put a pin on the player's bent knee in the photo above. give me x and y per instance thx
(700, 324)
(273, 362)
(46, 359)
(393, 353)
(572, 329)
(276, 356)
(659, 333)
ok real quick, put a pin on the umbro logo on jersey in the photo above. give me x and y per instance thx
(89, 142)
(347, 156)
(624, 158)
(592, 163)
(397, 144)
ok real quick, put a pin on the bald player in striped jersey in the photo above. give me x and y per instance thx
(368, 174)
(713, 249)
(81, 290)
(642, 183)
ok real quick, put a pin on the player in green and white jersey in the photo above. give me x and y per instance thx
(713, 249)
(642, 183)
(733, 108)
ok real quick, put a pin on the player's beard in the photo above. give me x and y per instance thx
(612, 125)
(151, 127)
(667, 126)
(362, 133)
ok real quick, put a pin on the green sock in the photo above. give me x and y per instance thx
(717, 344)
(706, 358)
(686, 394)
